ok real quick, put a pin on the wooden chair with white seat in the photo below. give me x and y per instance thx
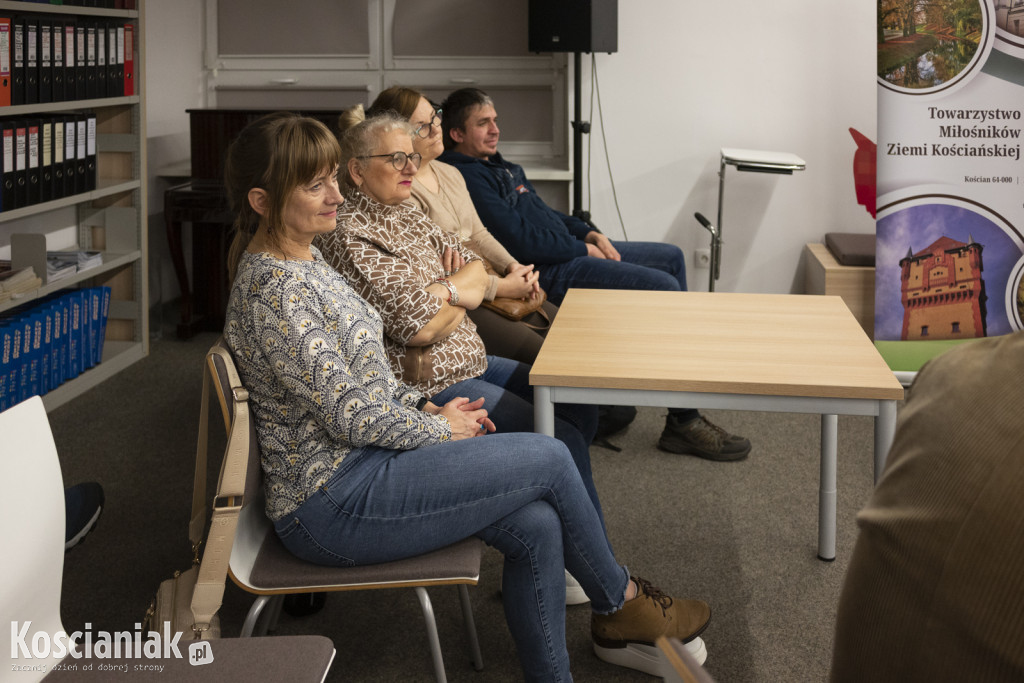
(261, 565)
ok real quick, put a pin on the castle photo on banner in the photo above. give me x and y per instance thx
(949, 260)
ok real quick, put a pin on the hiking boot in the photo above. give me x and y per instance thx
(626, 637)
(703, 439)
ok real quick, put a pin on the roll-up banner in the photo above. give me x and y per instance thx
(949, 257)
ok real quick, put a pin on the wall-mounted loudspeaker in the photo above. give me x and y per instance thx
(574, 25)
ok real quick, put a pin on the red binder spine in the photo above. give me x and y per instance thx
(129, 60)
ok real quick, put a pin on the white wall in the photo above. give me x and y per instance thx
(690, 78)
(174, 73)
(174, 83)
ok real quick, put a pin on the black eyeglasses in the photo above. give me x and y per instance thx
(397, 159)
(423, 130)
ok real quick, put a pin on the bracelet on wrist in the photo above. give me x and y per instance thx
(420, 404)
(453, 294)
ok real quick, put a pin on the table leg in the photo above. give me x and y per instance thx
(827, 488)
(543, 411)
(885, 431)
(173, 227)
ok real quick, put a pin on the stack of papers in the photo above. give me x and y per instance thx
(62, 264)
(82, 259)
(58, 270)
(15, 282)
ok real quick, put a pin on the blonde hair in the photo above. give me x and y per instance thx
(359, 135)
(275, 153)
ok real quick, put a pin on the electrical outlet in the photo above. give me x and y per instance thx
(702, 258)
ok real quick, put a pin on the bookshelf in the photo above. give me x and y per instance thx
(111, 218)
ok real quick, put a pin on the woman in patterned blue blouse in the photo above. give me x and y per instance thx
(360, 468)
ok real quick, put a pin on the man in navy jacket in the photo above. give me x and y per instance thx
(566, 251)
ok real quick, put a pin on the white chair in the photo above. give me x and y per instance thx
(261, 565)
(32, 507)
(33, 566)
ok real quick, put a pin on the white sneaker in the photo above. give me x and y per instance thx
(574, 594)
(647, 658)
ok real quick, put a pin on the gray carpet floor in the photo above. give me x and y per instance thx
(740, 535)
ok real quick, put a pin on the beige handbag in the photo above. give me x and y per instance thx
(188, 601)
(173, 606)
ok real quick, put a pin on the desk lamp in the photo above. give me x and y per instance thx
(744, 160)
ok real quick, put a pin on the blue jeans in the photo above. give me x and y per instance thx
(520, 493)
(505, 386)
(644, 265)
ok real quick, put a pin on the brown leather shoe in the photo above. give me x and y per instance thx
(626, 637)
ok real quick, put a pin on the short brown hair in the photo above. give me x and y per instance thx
(456, 109)
(399, 99)
(276, 153)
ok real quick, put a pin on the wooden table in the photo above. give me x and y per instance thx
(768, 352)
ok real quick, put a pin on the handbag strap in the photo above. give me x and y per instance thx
(209, 589)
